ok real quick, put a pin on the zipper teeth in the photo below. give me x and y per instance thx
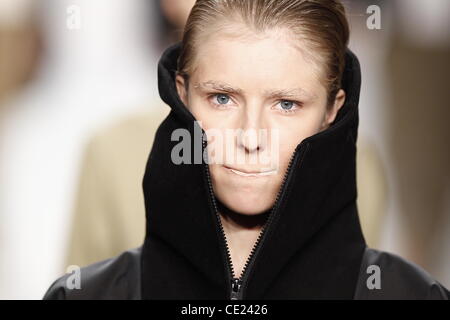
(263, 230)
(216, 212)
(270, 218)
(269, 221)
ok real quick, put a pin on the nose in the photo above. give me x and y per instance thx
(248, 140)
(251, 137)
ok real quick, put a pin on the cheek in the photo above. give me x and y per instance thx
(209, 117)
(294, 130)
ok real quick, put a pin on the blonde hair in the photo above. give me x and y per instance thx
(320, 26)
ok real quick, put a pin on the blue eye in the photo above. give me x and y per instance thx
(222, 98)
(287, 105)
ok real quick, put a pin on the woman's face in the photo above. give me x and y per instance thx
(265, 83)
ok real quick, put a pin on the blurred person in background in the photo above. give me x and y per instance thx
(109, 215)
(20, 47)
(372, 169)
(96, 65)
(406, 67)
(20, 52)
(418, 70)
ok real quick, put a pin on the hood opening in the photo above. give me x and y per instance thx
(314, 246)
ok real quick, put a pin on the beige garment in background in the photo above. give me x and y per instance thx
(372, 191)
(110, 215)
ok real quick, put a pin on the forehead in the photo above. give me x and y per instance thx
(262, 64)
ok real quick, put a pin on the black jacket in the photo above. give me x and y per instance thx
(311, 246)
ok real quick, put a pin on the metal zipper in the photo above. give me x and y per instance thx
(237, 284)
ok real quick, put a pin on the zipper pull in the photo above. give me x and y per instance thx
(235, 288)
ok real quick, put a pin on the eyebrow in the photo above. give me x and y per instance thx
(217, 86)
(275, 93)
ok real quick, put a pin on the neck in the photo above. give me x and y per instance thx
(241, 233)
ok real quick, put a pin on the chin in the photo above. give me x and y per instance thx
(249, 205)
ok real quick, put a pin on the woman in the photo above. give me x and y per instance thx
(284, 228)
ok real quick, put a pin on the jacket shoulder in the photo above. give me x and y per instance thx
(111, 279)
(385, 275)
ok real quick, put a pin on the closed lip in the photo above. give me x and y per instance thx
(250, 173)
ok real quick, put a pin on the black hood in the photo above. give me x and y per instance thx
(312, 244)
